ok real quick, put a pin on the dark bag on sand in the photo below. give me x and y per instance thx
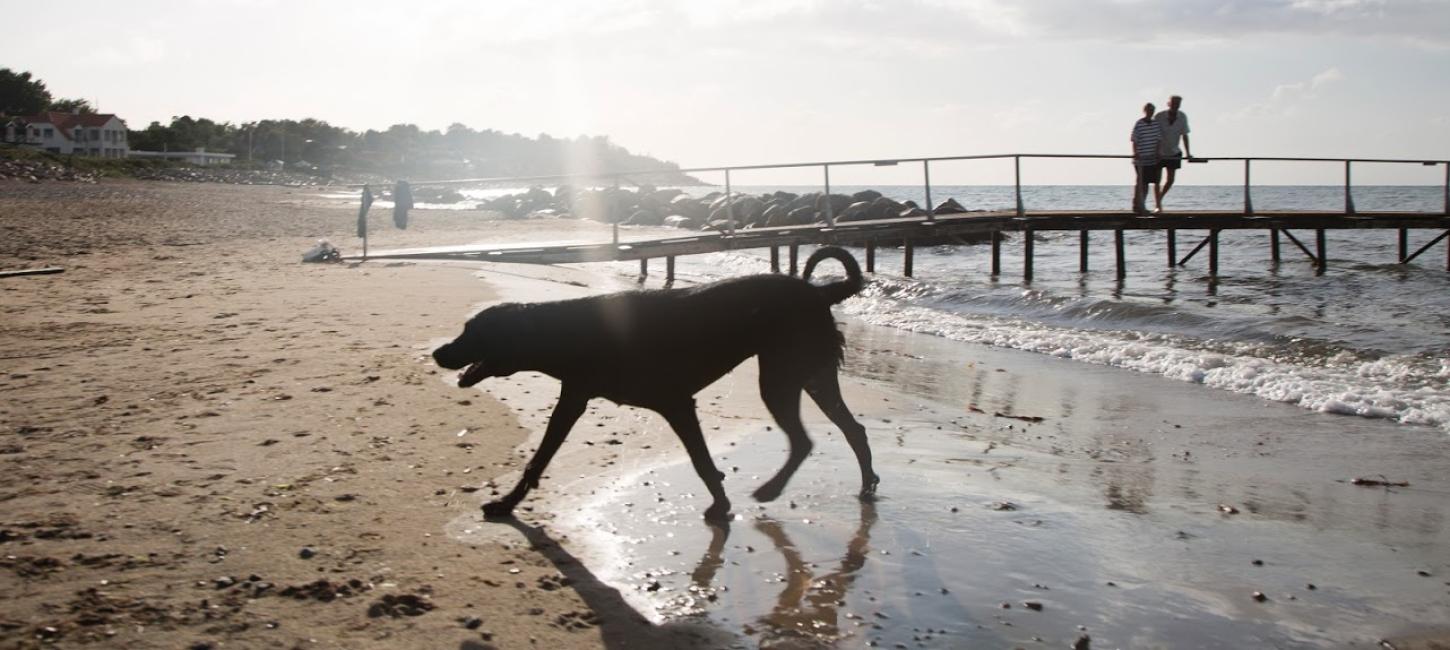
(322, 252)
(402, 202)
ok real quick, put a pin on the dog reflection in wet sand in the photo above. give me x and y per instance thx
(809, 607)
(656, 349)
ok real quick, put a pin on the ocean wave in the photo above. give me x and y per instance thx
(1405, 388)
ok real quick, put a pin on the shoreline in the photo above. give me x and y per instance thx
(193, 408)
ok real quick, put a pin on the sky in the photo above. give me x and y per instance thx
(738, 82)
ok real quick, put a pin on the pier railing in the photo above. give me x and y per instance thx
(926, 162)
(1020, 209)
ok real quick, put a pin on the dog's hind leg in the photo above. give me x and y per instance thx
(781, 391)
(566, 413)
(826, 391)
(686, 424)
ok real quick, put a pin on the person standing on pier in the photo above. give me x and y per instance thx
(1175, 127)
(1146, 137)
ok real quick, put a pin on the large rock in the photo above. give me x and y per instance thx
(681, 221)
(804, 201)
(644, 218)
(802, 216)
(722, 225)
(865, 195)
(858, 211)
(949, 206)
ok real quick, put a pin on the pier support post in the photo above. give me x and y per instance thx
(1319, 263)
(1027, 242)
(907, 259)
(775, 259)
(1213, 254)
(670, 270)
(1348, 194)
(1082, 251)
(1274, 245)
(870, 256)
(643, 268)
(1404, 244)
(1172, 247)
(1248, 197)
(1118, 253)
(1017, 181)
(996, 253)
(795, 252)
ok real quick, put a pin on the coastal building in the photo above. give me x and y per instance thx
(199, 156)
(83, 134)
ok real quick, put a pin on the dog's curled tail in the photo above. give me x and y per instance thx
(835, 292)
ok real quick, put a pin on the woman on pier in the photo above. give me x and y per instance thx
(1146, 137)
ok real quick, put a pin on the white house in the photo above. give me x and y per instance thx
(82, 134)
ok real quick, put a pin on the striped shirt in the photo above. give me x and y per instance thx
(1146, 136)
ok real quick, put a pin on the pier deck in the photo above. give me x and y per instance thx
(989, 226)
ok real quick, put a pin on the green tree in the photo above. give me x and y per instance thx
(20, 94)
(72, 106)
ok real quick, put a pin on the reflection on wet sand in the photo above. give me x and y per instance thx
(819, 616)
(808, 608)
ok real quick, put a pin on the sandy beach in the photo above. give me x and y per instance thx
(208, 444)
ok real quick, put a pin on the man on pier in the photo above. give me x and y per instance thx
(1175, 126)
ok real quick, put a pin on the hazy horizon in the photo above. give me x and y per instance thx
(732, 83)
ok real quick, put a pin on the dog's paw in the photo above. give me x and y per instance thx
(718, 513)
(767, 493)
(498, 510)
(868, 489)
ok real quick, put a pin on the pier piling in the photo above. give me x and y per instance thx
(1027, 243)
(996, 253)
(1118, 253)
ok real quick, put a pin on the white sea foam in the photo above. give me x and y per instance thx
(1396, 388)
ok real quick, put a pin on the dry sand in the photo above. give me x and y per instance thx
(206, 442)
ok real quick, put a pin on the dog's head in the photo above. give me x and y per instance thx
(482, 349)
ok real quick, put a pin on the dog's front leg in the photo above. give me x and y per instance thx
(566, 413)
(681, 416)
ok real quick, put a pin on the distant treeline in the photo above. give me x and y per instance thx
(401, 150)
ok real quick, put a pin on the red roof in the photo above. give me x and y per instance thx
(65, 122)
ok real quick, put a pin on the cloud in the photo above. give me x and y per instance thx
(1420, 21)
(1287, 98)
(131, 51)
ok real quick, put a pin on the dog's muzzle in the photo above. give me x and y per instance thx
(473, 373)
(444, 356)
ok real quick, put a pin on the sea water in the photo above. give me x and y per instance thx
(1370, 337)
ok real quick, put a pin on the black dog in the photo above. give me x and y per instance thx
(656, 349)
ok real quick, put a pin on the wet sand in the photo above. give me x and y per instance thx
(1025, 501)
(205, 442)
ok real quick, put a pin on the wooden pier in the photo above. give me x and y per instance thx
(1198, 229)
(987, 227)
